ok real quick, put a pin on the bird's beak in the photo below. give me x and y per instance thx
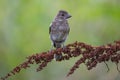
(69, 16)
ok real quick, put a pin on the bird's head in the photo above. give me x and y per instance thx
(63, 15)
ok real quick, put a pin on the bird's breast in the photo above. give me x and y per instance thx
(60, 31)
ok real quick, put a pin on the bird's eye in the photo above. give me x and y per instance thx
(63, 15)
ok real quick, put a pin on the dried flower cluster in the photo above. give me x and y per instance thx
(90, 56)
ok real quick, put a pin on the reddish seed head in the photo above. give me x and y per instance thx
(89, 55)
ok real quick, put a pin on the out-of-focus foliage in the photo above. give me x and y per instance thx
(24, 28)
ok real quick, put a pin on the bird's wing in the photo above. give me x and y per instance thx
(50, 28)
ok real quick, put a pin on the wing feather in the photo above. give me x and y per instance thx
(50, 28)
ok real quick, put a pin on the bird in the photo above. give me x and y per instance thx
(59, 30)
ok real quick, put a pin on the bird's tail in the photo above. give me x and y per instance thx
(57, 56)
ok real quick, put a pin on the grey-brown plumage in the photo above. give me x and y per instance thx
(59, 30)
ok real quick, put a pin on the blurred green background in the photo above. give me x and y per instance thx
(24, 26)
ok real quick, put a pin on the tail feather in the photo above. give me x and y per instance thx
(57, 56)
